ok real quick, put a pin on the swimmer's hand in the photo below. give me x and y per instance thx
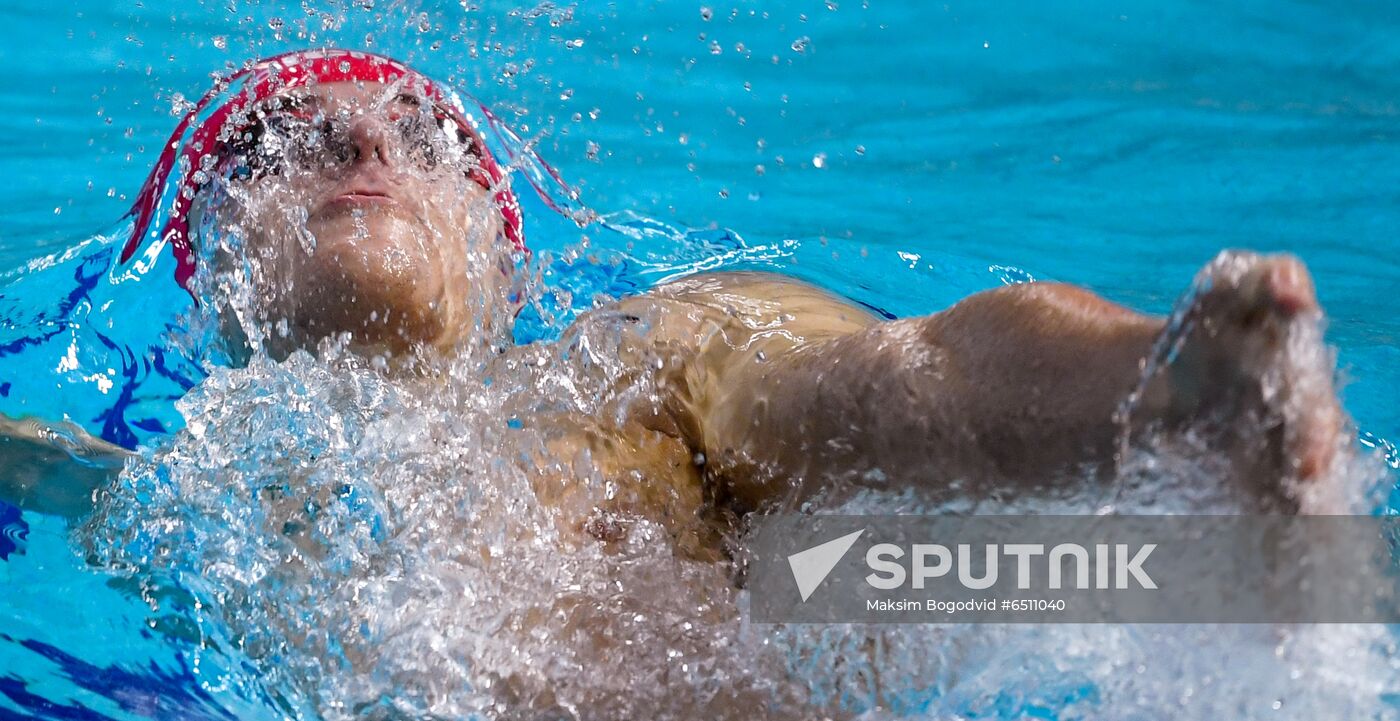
(54, 467)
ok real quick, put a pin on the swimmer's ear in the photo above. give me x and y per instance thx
(204, 221)
(233, 341)
(514, 268)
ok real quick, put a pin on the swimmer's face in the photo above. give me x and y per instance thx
(360, 212)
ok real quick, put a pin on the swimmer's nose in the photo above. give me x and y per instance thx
(372, 141)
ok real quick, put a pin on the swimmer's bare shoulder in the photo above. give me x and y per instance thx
(712, 339)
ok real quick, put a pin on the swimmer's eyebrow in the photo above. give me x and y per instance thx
(295, 100)
(305, 101)
(404, 99)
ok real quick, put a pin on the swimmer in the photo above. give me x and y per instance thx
(372, 213)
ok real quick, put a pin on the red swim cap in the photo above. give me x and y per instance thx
(261, 81)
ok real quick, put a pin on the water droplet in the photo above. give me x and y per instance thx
(819, 160)
(221, 42)
(179, 105)
(800, 45)
(715, 48)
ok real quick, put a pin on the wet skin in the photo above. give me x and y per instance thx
(765, 389)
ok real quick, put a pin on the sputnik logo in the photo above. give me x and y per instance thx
(812, 566)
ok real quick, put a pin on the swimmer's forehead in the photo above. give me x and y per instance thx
(351, 96)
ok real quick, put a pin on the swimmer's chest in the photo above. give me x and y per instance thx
(612, 476)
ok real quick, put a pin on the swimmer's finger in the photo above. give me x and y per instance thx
(65, 437)
(54, 468)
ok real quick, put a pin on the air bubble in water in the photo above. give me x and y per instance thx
(800, 45)
(706, 13)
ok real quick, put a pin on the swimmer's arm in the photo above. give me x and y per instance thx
(54, 467)
(1005, 383)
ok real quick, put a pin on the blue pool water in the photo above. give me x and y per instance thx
(903, 154)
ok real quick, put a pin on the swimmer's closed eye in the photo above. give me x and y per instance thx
(297, 132)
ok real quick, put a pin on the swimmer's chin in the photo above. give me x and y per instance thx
(388, 230)
(375, 291)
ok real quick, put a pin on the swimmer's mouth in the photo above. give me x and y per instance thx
(361, 197)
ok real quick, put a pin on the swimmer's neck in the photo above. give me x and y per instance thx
(407, 363)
